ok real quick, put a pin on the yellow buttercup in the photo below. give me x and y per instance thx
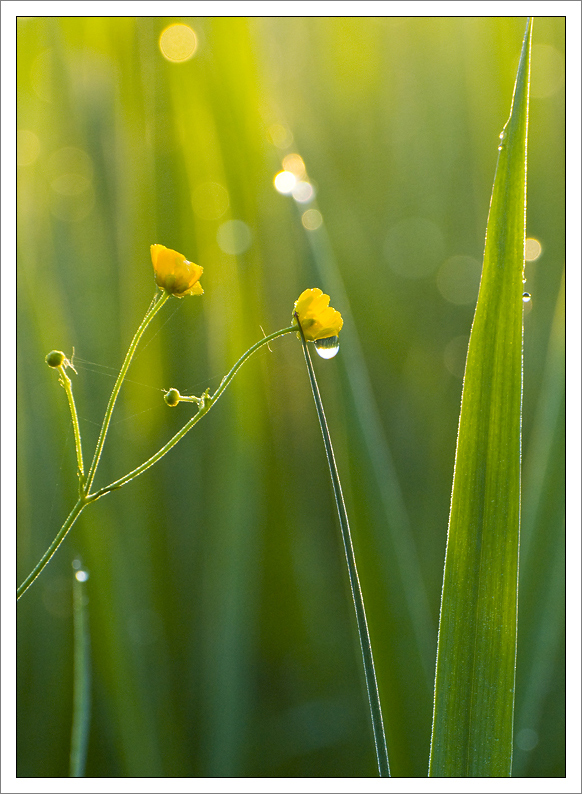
(318, 319)
(174, 273)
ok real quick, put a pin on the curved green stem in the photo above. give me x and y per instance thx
(368, 659)
(208, 402)
(71, 518)
(227, 378)
(159, 299)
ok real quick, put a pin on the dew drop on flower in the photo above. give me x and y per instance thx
(327, 348)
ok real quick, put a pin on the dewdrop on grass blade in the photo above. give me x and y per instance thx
(327, 348)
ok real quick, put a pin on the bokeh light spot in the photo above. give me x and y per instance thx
(280, 136)
(285, 181)
(70, 162)
(41, 75)
(72, 207)
(295, 164)
(311, 219)
(70, 184)
(210, 200)
(414, 248)
(458, 279)
(69, 172)
(178, 43)
(302, 192)
(27, 147)
(81, 576)
(526, 739)
(234, 237)
(533, 249)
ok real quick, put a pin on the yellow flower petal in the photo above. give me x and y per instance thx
(174, 273)
(318, 319)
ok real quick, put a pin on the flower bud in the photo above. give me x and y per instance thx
(172, 397)
(174, 273)
(55, 359)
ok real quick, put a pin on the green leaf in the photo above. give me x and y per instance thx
(475, 673)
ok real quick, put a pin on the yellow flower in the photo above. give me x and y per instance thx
(318, 319)
(175, 273)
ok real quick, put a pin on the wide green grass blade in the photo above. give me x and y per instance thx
(475, 673)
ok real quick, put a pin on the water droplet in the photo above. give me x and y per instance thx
(526, 297)
(81, 576)
(327, 348)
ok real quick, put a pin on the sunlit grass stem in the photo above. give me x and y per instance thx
(368, 660)
(157, 303)
(62, 534)
(68, 387)
(81, 679)
(206, 403)
(86, 482)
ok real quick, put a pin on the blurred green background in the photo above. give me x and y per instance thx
(223, 640)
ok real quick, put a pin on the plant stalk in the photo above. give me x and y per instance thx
(81, 680)
(209, 401)
(68, 387)
(159, 299)
(62, 534)
(87, 498)
(367, 657)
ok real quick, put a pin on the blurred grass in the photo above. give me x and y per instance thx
(221, 631)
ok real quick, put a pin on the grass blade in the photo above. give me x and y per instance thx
(475, 673)
(82, 676)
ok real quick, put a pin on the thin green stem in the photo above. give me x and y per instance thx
(206, 404)
(85, 498)
(68, 387)
(71, 518)
(81, 678)
(368, 660)
(159, 301)
(227, 379)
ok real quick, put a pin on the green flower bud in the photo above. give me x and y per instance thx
(172, 397)
(55, 359)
